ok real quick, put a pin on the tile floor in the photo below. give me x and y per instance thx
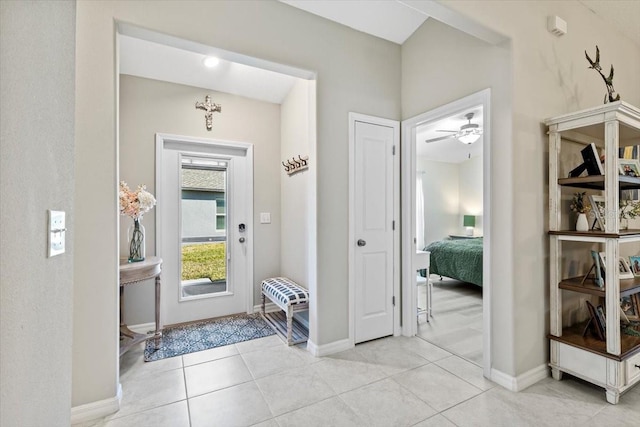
(395, 381)
(456, 325)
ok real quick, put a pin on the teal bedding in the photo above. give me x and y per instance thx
(459, 259)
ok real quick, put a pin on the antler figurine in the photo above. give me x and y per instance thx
(608, 81)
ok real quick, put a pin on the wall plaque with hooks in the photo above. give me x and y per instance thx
(296, 165)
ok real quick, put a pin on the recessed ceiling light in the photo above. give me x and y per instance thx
(211, 61)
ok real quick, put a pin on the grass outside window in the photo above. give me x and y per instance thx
(204, 260)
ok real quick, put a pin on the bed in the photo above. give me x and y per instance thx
(459, 259)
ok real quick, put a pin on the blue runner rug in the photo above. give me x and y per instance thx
(207, 334)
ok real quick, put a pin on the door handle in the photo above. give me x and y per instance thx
(241, 240)
(361, 242)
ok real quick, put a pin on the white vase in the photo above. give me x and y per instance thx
(624, 224)
(581, 223)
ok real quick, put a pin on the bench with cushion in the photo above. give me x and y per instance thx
(289, 297)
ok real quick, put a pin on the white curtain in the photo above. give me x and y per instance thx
(419, 213)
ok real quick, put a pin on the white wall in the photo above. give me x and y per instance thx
(37, 48)
(150, 106)
(295, 188)
(441, 190)
(356, 72)
(451, 190)
(470, 191)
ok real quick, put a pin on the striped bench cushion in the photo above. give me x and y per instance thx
(284, 292)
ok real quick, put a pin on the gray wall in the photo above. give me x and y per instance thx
(295, 188)
(150, 106)
(356, 72)
(37, 48)
(536, 76)
(550, 77)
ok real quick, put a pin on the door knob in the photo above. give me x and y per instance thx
(241, 240)
(361, 242)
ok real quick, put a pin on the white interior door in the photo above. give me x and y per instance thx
(373, 224)
(211, 214)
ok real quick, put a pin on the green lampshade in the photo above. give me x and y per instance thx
(469, 221)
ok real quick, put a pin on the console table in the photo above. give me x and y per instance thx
(135, 272)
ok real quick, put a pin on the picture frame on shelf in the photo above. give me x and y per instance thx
(623, 317)
(599, 210)
(624, 270)
(598, 266)
(634, 263)
(594, 323)
(602, 320)
(629, 167)
(591, 159)
(629, 305)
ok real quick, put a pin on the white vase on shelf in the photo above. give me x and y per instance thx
(581, 223)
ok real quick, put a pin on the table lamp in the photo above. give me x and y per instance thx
(469, 221)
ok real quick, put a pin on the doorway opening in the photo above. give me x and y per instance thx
(203, 183)
(160, 79)
(447, 206)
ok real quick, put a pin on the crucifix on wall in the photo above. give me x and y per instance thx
(210, 108)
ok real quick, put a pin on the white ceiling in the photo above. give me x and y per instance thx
(396, 20)
(157, 61)
(448, 150)
(388, 19)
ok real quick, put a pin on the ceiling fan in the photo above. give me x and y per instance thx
(468, 133)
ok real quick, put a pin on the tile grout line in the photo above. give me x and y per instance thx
(186, 393)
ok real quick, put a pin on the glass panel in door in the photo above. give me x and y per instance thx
(204, 193)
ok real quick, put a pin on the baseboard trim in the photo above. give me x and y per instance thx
(522, 381)
(144, 328)
(94, 410)
(327, 349)
(268, 307)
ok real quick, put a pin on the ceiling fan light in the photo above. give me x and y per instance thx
(469, 138)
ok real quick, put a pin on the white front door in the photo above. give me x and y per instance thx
(204, 227)
(373, 225)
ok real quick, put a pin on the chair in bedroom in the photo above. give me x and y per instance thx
(422, 262)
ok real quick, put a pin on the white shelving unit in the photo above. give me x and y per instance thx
(613, 364)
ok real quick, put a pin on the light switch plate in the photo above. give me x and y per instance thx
(265, 217)
(56, 231)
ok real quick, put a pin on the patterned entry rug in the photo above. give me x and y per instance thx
(207, 334)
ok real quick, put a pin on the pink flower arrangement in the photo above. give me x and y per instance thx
(135, 203)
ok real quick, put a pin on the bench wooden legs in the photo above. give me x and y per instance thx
(290, 298)
(277, 321)
(289, 324)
